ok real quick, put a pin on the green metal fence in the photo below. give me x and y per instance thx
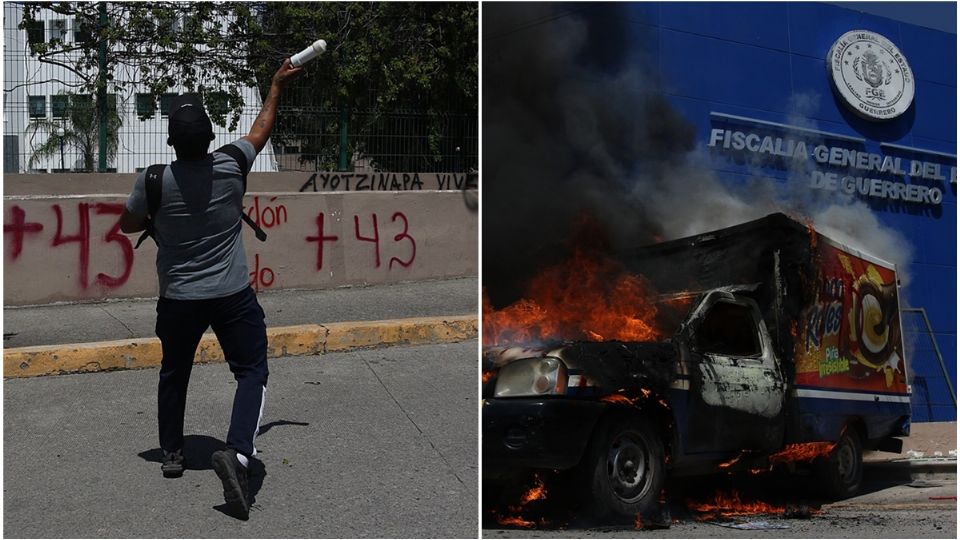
(52, 125)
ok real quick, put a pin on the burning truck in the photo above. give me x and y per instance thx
(745, 348)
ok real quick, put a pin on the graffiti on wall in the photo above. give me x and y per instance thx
(401, 241)
(70, 248)
(383, 181)
(73, 231)
(87, 234)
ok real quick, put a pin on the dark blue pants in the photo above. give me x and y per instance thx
(238, 322)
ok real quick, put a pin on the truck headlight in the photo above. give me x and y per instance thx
(532, 377)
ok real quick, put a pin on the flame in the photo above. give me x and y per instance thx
(802, 452)
(724, 505)
(537, 492)
(813, 235)
(487, 375)
(512, 521)
(638, 522)
(588, 297)
(619, 399)
(727, 464)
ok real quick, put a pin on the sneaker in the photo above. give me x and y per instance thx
(234, 477)
(172, 465)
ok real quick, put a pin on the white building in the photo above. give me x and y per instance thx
(34, 90)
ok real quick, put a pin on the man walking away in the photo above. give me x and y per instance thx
(204, 281)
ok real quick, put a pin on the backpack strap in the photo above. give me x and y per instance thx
(154, 187)
(241, 159)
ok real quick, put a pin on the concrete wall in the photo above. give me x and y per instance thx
(290, 182)
(69, 248)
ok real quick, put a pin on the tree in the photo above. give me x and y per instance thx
(383, 60)
(157, 44)
(80, 131)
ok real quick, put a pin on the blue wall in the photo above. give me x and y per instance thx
(752, 59)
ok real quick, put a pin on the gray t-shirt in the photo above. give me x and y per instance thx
(197, 227)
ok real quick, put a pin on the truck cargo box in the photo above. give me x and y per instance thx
(832, 312)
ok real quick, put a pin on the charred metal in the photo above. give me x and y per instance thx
(784, 351)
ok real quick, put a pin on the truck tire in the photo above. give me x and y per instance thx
(623, 470)
(841, 472)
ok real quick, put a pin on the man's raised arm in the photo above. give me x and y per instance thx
(263, 125)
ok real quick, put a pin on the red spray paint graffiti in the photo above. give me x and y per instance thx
(19, 227)
(267, 216)
(261, 278)
(374, 238)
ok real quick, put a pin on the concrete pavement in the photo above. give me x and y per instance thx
(366, 443)
(68, 338)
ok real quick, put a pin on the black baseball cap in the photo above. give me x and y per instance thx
(188, 118)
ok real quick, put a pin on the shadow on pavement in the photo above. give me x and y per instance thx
(197, 450)
(266, 427)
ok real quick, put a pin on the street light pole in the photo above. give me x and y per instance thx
(60, 133)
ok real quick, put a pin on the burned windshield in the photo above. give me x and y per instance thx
(729, 330)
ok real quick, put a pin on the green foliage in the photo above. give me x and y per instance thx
(80, 132)
(382, 59)
(158, 44)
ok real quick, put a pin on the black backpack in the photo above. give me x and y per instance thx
(154, 185)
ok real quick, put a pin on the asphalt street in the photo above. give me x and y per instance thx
(369, 443)
(136, 317)
(887, 507)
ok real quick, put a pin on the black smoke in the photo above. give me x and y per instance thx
(575, 123)
(571, 116)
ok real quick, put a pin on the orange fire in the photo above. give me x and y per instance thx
(637, 522)
(619, 399)
(487, 375)
(813, 235)
(727, 464)
(724, 505)
(536, 493)
(512, 521)
(589, 297)
(802, 452)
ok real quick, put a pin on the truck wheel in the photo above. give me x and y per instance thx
(841, 472)
(623, 470)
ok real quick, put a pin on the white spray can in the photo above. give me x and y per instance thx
(308, 54)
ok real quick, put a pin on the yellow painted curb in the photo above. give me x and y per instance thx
(298, 340)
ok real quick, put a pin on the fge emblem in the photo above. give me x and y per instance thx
(871, 75)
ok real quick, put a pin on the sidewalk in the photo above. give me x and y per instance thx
(931, 448)
(63, 338)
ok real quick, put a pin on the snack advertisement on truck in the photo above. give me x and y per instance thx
(851, 335)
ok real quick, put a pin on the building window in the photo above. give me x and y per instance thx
(112, 104)
(81, 31)
(35, 33)
(146, 106)
(59, 105)
(81, 103)
(58, 29)
(166, 101)
(38, 106)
